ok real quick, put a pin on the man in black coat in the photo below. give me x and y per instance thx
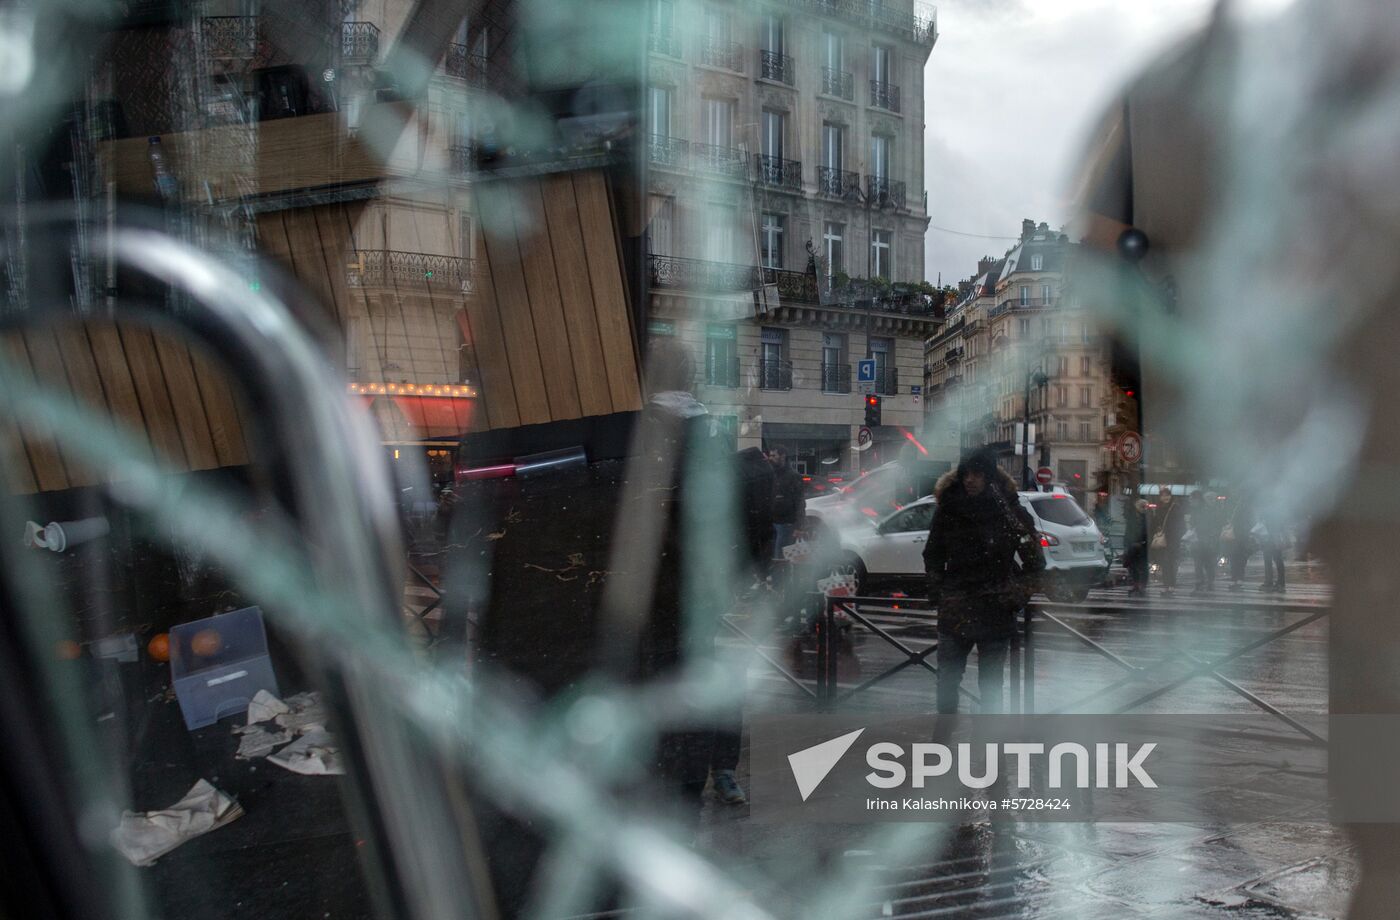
(981, 560)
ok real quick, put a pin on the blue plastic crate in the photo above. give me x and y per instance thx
(234, 668)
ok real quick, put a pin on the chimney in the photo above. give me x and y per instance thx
(1044, 227)
(985, 264)
(1027, 229)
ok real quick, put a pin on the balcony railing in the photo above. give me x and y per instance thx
(664, 43)
(1015, 303)
(776, 171)
(953, 354)
(838, 83)
(229, 37)
(884, 192)
(886, 381)
(392, 268)
(774, 375)
(668, 151)
(838, 183)
(462, 158)
(773, 65)
(723, 161)
(671, 272)
(799, 287)
(726, 55)
(464, 65)
(919, 25)
(884, 96)
(702, 275)
(721, 370)
(359, 42)
(836, 378)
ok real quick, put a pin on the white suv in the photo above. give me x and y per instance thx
(888, 551)
(1073, 546)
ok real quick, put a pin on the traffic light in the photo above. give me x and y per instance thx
(872, 411)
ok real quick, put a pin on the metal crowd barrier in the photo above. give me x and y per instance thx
(826, 692)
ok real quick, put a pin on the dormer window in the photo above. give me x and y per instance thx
(1037, 263)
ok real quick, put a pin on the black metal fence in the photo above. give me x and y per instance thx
(780, 173)
(838, 83)
(359, 42)
(884, 95)
(836, 378)
(774, 375)
(773, 65)
(838, 183)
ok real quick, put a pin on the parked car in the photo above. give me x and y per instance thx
(887, 552)
(870, 496)
(1073, 546)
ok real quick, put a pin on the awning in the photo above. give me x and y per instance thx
(414, 419)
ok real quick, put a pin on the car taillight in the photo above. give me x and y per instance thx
(869, 512)
(1049, 539)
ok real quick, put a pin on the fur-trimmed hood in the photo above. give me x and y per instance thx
(1003, 483)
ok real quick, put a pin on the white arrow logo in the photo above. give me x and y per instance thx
(811, 765)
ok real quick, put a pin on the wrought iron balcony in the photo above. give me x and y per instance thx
(838, 183)
(723, 161)
(664, 43)
(672, 272)
(462, 64)
(886, 381)
(836, 378)
(838, 83)
(726, 55)
(776, 171)
(793, 287)
(359, 42)
(232, 38)
(1015, 303)
(953, 354)
(462, 158)
(392, 268)
(774, 375)
(702, 275)
(884, 192)
(668, 151)
(775, 66)
(721, 370)
(884, 96)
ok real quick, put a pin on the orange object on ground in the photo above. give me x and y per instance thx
(159, 647)
(207, 643)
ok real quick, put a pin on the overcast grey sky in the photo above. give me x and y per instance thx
(1012, 89)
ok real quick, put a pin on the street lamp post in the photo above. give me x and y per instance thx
(1037, 377)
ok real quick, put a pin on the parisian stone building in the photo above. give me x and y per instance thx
(787, 215)
(1018, 348)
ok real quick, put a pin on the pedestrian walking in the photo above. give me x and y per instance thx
(1273, 541)
(982, 563)
(1168, 527)
(789, 501)
(1205, 520)
(1135, 546)
(1238, 538)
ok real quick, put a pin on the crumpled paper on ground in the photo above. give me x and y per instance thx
(144, 837)
(315, 753)
(306, 713)
(259, 742)
(265, 706)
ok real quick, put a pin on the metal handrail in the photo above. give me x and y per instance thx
(359, 42)
(836, 378)
(668, 151)
(723, 54)
(774, 65)
(774, 375)
(780, 173)
(884, 192)
(884, 95)
(724, 161)
(838, 83)
(838, 183)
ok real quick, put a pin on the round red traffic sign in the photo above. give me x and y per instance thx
(1130, 447)
(1045, 475)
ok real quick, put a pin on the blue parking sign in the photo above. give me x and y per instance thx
(865, 370)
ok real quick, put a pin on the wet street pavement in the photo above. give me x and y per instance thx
(1298, 867)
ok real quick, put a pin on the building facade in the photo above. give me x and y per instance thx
(786, 215)
(1018, 348)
